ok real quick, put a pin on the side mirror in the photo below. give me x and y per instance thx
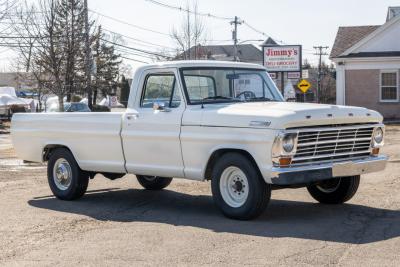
(160, 106)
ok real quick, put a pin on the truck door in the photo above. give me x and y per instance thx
(151, 131)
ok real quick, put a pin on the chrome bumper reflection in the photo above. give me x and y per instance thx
(313, 173)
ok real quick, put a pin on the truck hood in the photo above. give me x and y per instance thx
(280, 115)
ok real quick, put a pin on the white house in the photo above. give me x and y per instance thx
(367, 59)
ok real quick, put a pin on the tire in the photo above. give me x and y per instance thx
(336, 190)
(74, 184)
(153, 182)
(231, 175)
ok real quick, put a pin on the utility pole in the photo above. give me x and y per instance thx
(236, 22)
(320, 51)
(88, 57)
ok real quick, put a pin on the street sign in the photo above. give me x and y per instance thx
(113, 101)
(286, 58)
(293, 75)
(304, 85)
(304, 74)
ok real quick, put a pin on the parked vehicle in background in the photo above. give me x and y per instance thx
(10, 104)
(70, 107)
(207, 120)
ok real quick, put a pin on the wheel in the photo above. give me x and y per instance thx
(153, 182)
(238, 189)
(336, 190)
(67, 181)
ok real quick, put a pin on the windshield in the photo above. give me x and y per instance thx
(216, 85)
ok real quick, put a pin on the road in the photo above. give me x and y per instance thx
(118, 223)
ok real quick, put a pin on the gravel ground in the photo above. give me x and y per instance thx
(118, 223)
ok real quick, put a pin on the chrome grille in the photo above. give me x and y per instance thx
(332, 144)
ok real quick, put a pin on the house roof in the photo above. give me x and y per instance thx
(346, 37)
(246, 52)
(269, 42)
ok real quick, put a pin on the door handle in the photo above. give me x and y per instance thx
(132, 116)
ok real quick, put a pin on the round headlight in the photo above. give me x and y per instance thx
(288, 143)
(378, 135)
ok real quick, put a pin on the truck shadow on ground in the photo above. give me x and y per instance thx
(349, 223)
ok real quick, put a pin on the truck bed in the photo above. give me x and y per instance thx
(94, 138)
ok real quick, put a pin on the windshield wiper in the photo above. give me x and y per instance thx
(216, 97)
(260, 99)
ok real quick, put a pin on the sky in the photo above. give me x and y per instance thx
(306, 22)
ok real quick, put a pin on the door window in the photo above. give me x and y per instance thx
(161, 89)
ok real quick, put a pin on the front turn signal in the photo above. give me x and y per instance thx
(375, 151)
(285, 161)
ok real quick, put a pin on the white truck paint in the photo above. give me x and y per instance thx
(182, 141)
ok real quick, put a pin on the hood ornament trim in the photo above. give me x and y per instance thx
(260, 123)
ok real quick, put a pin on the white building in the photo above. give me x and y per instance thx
(367, 59)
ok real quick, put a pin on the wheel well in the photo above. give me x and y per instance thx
(219, 153)
(47, 150)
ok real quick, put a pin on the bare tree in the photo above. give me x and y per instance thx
(49, 35)
(40, 39)
(190, 35)
(49, 39)
(328, 84)
(5, 7)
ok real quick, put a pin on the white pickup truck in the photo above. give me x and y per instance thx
(207, 120)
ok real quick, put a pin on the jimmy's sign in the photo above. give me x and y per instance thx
(282, 58)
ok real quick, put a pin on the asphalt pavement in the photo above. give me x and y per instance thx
(117, 223)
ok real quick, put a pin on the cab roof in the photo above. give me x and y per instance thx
(200, 63)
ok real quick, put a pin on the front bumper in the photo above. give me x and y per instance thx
(313, 173)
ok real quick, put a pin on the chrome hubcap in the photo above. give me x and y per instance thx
(62, 174)
(234, 187)
(329, 186)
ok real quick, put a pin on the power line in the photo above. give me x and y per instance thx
(154, 44)
(127, 58)
(133, 53)
(260, 32)
(186, 10)
(129, 24)
(16, 45)
(254, 29)
(178, 8)
(24, 37)
(136, 49)
(138, 40)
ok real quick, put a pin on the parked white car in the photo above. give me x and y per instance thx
(206, 120)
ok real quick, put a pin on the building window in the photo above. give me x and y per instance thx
(389, 86)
